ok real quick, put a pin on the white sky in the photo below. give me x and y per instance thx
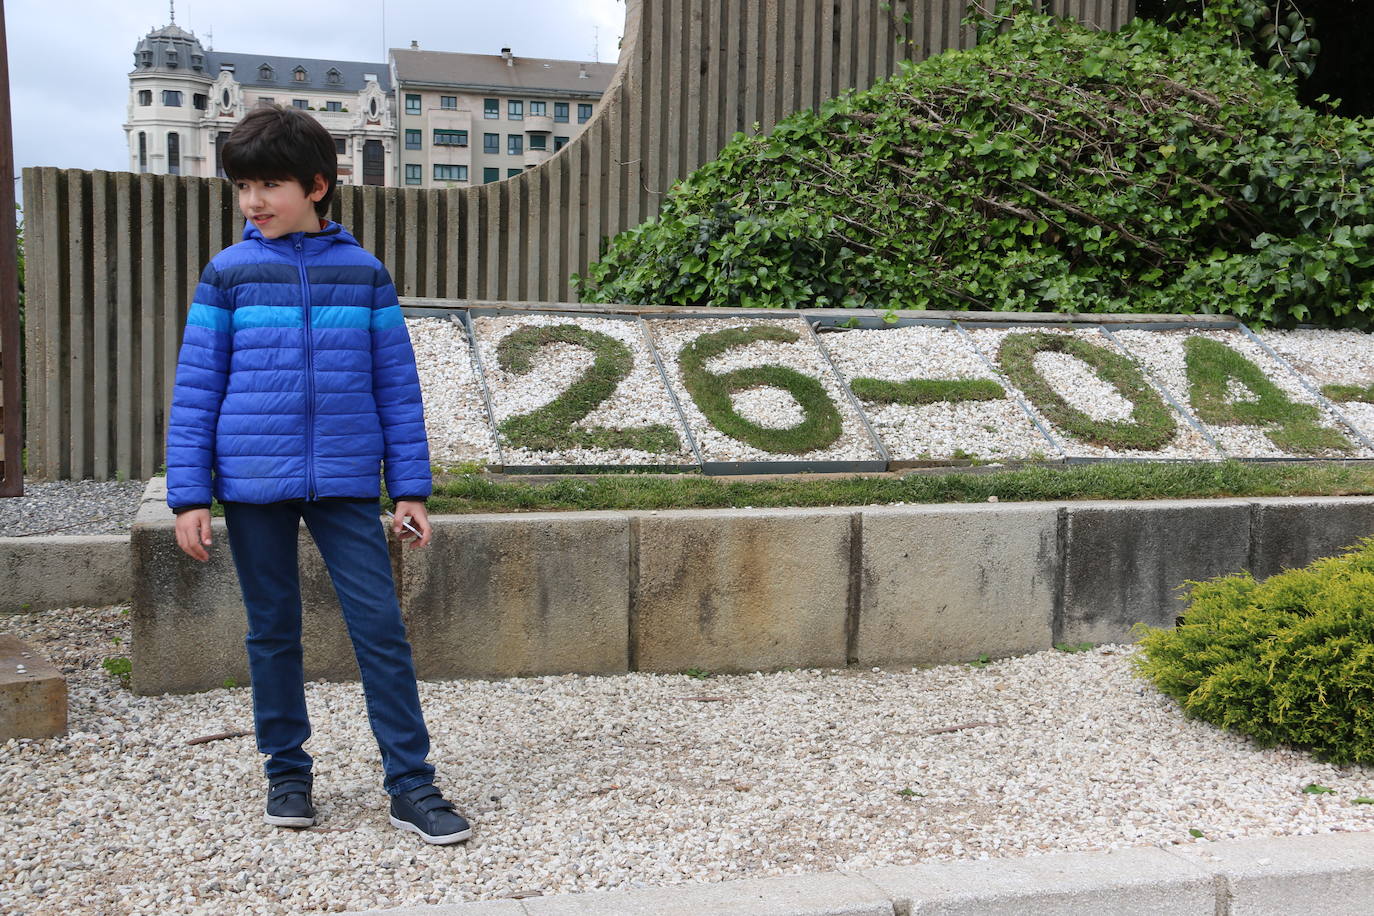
(70, 59)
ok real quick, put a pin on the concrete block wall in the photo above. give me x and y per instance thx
(742, 590)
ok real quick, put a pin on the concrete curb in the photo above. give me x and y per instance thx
(1332, 874)
(56, 571)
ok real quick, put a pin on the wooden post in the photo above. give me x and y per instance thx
(11, 405)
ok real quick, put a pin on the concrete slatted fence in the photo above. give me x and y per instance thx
(113, 257)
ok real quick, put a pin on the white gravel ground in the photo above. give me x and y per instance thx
(1077, 382)
(63, 507)
(774, 409)
(640, 400)
(578, 783)
(992, 430)
(455, 414)
(1162, 353)
(1332, 358)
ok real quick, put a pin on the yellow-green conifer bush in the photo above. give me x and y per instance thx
(1289, 660)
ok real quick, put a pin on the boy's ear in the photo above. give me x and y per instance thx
(320, 189)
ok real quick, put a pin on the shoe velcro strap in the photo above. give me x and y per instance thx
(288, 787)
(431, 801)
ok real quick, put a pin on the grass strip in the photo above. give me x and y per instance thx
(1346, 394)
(464, 493)
(926, 390)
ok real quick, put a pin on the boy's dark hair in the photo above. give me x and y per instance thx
(279, 143)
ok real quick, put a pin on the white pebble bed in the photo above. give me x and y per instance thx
(640, 400)
(777, 409)
(990, 430)
(1331, 358)
(1161, 352)
(1078, 384)
(455, 414)
(580, 783)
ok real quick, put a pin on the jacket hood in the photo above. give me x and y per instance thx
(331, 234)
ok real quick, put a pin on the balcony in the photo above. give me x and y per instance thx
(538, 124)
(536, 156)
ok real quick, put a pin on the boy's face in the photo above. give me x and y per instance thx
(280, 206)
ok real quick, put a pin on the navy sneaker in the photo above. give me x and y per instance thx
(288, 801)
(425, 811)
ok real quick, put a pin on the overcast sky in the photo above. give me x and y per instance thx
(70, 59)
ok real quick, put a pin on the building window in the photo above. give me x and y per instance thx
(145, 58)
(220, 139)
(145, 96)
(171, 58)
(265, 73)
(511, 173)
(560, 112)
(197, 62)
(201, 101)
(171, 98)
(515, 110)
(450, 172)
(300, 103)
(174, 154)
(559, 143)
(340, 146)
(539, 141)
(265, 101)
(333, 106)
(538, 109)
(142, 151)
(515, 144)
(491, 109)
(334, 77)
(448, 101)
(374, 163)
(300, 74)
(412, 104)
(491, 144)
(490, 175)
(224, 98)
(584, 113)
(413, 175)
(450, 138)
(414, 138)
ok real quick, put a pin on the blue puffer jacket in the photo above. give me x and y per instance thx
(296, 378)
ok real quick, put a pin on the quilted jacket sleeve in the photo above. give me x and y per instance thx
(202, 375)
(396, 388)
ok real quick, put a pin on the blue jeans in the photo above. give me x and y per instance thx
(349, 535)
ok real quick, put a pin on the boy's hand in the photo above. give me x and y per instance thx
(193, 530)
(418, 517)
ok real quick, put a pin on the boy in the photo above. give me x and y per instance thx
(296, 379)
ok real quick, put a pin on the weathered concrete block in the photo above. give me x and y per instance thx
(1288, 533)
(741, 590)
(1126, 882)
(1124, 561)
(56, 571)
(1280, 876)
(472, 908)
(793, 895)
(33, 693)
(499, 596)
(189, 622)
(948, 583)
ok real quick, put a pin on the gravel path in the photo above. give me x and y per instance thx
(578, 783)
(71, 507)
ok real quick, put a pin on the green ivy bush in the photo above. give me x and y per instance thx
(1054, 168)
(1289, 660)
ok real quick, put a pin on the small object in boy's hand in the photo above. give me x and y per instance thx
(408, 526)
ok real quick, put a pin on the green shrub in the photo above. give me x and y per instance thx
(1289, 660)
(1055, 168)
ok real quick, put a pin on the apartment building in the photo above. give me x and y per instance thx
(468, 119)
(184, 100)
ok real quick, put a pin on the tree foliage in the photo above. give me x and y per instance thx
(1053, 168)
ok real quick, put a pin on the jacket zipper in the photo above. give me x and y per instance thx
(309, 380)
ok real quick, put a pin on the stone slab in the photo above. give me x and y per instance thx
(1332, 874)
(1126, 882)
(944, 584)
(741, 590)
(475, 908)
(828, 894)
(1289, 534)
(507, 595)
(59, 571)
(1124, 561)
(189, 622)
(33, 693)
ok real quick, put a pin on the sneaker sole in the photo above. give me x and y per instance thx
(430, 838)
(278, 821)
